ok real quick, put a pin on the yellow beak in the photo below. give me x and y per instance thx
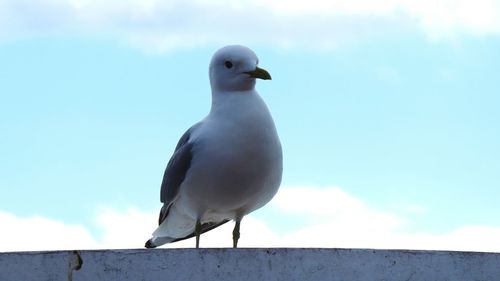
(259, 73)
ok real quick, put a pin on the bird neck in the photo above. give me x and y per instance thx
(232, 100)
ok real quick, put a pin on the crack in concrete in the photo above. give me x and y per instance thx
(411, 275)
(75, 263)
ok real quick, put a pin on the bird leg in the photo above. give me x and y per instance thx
(236, 234)
(197, 231)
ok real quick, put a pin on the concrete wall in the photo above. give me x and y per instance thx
(250, 264)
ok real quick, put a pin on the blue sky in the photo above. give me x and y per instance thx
(390, 109)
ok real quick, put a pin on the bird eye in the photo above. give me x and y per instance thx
(228, 64)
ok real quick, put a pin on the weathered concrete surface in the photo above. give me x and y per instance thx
(250, 264)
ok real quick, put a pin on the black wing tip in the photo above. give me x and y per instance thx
(149, 244)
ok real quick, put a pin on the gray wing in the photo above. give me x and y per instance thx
(176, 171)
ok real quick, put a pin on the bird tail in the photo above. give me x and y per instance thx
(158, 241)
(176, 226)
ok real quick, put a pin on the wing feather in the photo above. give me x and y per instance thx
(176, 171)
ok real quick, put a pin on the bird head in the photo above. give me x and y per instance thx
(235, 68)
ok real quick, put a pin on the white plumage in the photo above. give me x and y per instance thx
(227, 165)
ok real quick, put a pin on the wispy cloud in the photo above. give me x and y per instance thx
(333, 219)
(157, 26)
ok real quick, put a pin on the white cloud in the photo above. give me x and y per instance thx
(333, 218)
(346, 221)
(126, 229)
(156, 26)
(449, 17)
(36, 233)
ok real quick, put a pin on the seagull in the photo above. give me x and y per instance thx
(228, 164)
